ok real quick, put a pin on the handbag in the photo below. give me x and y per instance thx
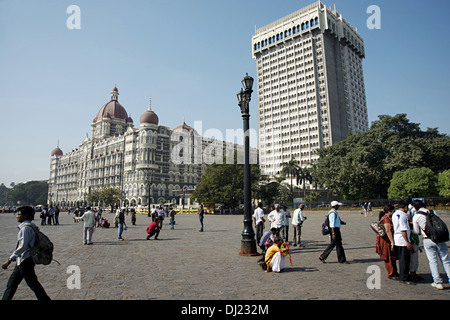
(378, 228)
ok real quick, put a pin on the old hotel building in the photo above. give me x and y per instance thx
(138, 161)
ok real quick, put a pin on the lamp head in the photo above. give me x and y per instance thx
(247, 82)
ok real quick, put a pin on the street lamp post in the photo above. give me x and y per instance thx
(248, 243)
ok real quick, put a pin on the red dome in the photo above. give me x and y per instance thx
(183, 128)
(149, 117)
(57, 152)
(113, 110)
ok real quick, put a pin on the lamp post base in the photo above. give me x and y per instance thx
(248, 248)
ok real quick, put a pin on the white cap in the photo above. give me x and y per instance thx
(335, 203)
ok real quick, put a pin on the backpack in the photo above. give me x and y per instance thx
(326, 225)
(435, 228)
(42, 251)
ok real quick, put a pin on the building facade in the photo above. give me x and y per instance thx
(310, 85)
(149, 164)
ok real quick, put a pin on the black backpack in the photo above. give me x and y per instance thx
(435, 228)
(42, 251)
(326, 225)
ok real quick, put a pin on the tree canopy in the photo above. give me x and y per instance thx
(29, 193)
(363, 165)
(413, 183)
(107, 196)
(224, 183)
(444, 183)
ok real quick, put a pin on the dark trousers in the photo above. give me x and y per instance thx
(24, 271)
(404, 257)
(200, 218)
(154, 233)
(259, 232)
(336, 242)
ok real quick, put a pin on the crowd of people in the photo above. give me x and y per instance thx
(398, 246)
(403, 226)
(49, 216)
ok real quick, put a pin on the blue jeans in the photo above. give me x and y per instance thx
(200, 217)
(436, 251)
(87, 235)
(120, 225)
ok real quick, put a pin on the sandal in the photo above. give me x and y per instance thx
(322, 259)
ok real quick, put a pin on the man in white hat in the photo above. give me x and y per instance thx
(335, 235)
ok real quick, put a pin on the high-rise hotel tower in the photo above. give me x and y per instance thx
(310, 85)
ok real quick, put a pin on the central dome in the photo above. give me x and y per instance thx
(113, 109)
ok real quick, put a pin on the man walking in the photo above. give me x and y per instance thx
(24, 262)
(335, 236)
(89, 220)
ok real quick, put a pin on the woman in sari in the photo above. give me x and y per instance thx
(385, 244)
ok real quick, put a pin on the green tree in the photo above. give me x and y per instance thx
(267, 190)
(4, 195)
(303, 175)
(224, 183)
(107, 196)
(444, 183)
(363, 165)
(29, 193)
(415, 182)
(95, 196)
(290, 170)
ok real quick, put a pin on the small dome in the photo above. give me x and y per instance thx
(183, 128)
(149, 117)
(57, 152)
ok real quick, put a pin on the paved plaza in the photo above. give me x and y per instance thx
(186, 264)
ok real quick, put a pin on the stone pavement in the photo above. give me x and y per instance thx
(190, 265)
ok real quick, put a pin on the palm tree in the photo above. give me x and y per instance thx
(290, 169)
(302, 175)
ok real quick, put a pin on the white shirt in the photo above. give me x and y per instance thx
(25, 239)
(258, 214)
(400, 222)
(276, 218)
(88, 218)
(420, 222)
(297, 217)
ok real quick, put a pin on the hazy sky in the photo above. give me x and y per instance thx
(189, 56)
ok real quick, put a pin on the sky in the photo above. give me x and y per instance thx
(189, 57)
